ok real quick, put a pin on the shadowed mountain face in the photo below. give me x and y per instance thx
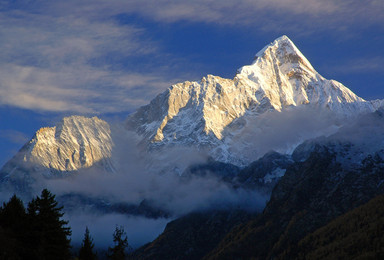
(333, 176)
(355, 235)
(261, 175)
(326, 178)
(307, 197)
(192, 236)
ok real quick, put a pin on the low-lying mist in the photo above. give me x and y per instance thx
(279, 131)
(135, 179)
(139, 230)
(154, 176)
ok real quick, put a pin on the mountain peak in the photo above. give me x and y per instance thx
(74, 143)
(282, 40)
(213, 110)
(284, 51)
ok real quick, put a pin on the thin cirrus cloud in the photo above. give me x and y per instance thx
(74, 55)
(14, 136)
(361, 66)
(265, 13)
(68, 63)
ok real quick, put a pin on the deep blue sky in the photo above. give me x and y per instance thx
(107, 58)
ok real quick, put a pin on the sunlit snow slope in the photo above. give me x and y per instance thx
(214, 115)
(197, 113)
(76, 142)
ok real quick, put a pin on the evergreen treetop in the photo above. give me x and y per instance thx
(49, 232)
(86, 250)
(120, 239)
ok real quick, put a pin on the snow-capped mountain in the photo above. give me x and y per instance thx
(214, 115)
(199, 113)
(76, 142)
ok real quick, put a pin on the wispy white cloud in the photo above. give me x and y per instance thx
(59, 61)
(263, 13)
(82, 89)
(362, 65)
(14, 136)
(74, 55)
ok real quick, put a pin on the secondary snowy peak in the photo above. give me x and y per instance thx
(76, 142)
(279, 77)
(190, 108)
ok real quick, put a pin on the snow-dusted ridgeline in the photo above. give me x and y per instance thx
(197, 113)
(208, 114)
(76, 142)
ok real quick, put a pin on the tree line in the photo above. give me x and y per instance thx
(39, 232)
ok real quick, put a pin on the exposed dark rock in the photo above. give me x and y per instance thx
(264, 173)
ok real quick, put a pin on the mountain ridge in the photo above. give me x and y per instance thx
(200, 112)
(75, 143)
(212, 115)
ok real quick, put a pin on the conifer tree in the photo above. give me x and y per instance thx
(120, 239)
(49, 233)
(33, 230)
(86, 250)
(12, 213)
(12, 229)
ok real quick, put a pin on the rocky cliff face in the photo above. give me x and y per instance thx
(198, 113)
(75, 143)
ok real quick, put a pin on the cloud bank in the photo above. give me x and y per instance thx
(153, 175)
(66, 63)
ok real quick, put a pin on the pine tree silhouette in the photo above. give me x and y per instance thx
(118, 252)
(49, 232)
(12, 229)
(86, 250)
